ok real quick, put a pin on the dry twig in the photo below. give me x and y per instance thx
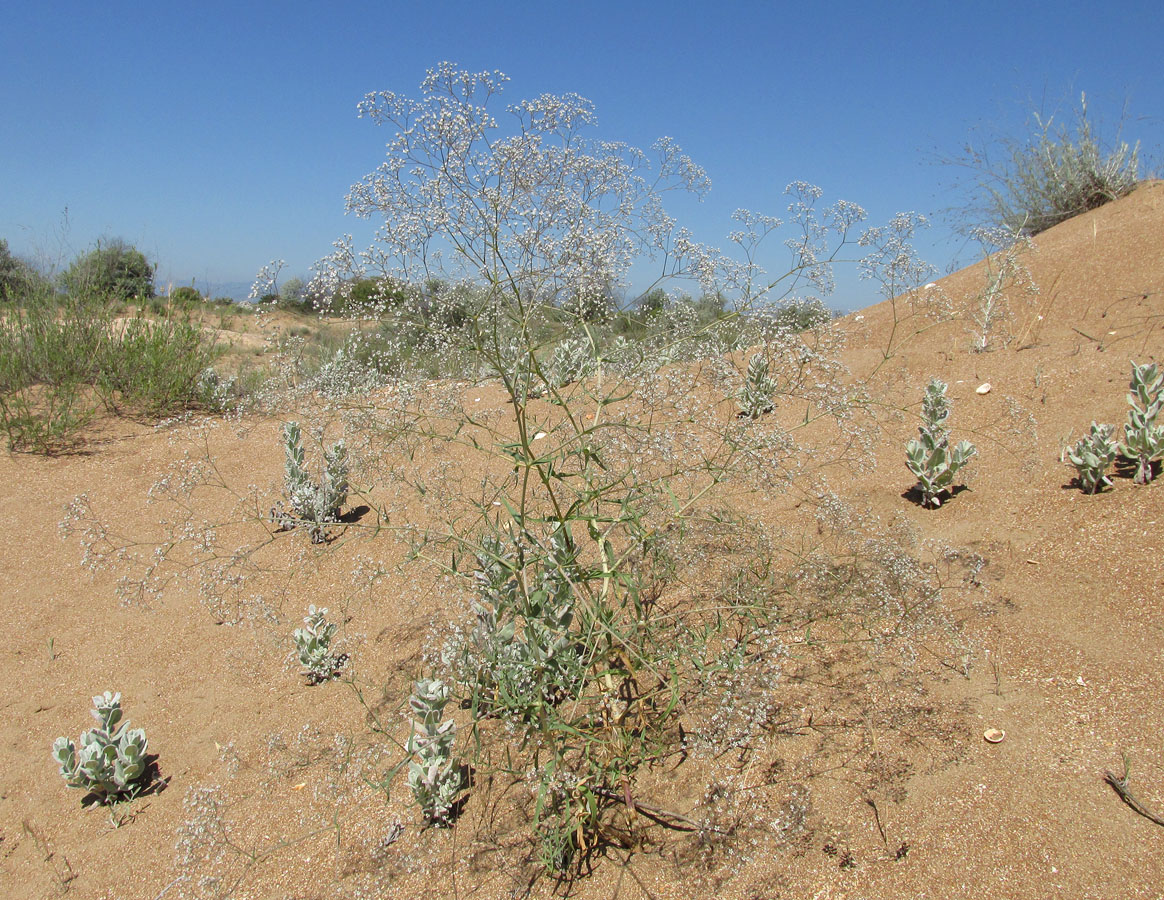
(1121, 787)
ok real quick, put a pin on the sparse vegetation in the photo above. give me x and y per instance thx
(62, 359)
(1007, 280)
(613, 628)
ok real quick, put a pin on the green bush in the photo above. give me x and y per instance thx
(185, 296)
(64, 359)
(16, 276)
(114, 272)
(154, 367)
(370, 295)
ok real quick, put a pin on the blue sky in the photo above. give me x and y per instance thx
(218, 136)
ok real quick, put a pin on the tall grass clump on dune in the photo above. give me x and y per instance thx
(1060, 169)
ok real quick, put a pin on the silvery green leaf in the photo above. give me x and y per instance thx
(65, 754)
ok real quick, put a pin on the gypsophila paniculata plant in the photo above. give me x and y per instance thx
(755, 397)
(313, 643)
(314, 504)
(505, 231)
(433, 776)
(930, 456)
(110, 760)
(1143, 439)
(1092, 456)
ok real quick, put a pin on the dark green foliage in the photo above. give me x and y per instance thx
(15, 275)
(293, 297)
(803, 315)
(185, 296)
(653, 301)
(371, 295)
(113, 272)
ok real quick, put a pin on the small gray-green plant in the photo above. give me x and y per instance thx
(434, 777)
(930, 456)
(313, 642)
(313, 503)
(219, 392)
(756, 395)
(1143, 438)
(571, 360)
(1092, 456)
(111, 759)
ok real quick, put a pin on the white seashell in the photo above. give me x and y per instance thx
(984, 388)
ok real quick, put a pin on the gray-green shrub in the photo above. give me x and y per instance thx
(314, 504)
(110, 760)
(1092, 456)
(930, 456)
(433, 775)
(756, 395)
(1061, 169)
(1143, 438)
(313, 643)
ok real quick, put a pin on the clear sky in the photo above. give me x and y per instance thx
(217, 136)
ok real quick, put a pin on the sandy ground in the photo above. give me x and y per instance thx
(875, 780)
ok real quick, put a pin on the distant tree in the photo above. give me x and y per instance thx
(115, 271)
(13, 273)
(291, 293)
(710, 307)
